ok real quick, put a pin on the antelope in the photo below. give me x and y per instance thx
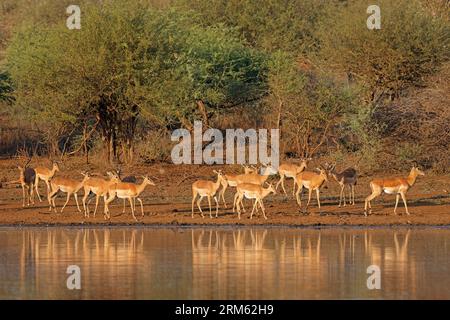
(251, 191)
(231, 180)
(347, 177)
(66, 185)
(397, 186)
(254, 178)
(205, 188)
(130, 191)
(99, 187)
(311, 181)
(44, 174)
(129, 179)
(26, 179)
(289, 170)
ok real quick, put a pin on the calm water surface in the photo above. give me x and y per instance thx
(274, 263)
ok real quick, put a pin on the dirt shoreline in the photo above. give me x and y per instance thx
(169, 203)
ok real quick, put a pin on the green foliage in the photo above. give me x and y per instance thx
(5, 87)
(410, 45)
(271, 25)
(308, 67)
(128, 61)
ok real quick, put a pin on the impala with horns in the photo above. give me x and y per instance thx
(45, 174)
(128, 191)
(397, 186)
(205, 188)
(251, 191)
(66, 185)
(311, 181)
(290, 170)
(99, 187)
(347, 177)
(231, 181)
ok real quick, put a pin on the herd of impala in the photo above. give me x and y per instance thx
(251, 185)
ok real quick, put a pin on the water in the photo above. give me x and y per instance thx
(224, 263)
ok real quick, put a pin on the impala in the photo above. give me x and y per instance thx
(129, 179)
(130, 191)
(99, 187)
(289, 170)
(254, 178)
(66, 185)
(231, 180)
(311, 181)
(397, 186)
(347, 177)
(251, 191)
(205, 188)
(26, 179)
(44, 174)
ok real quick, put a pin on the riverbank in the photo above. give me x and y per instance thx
(168, 203)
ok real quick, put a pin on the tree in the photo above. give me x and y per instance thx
(126, 64)
(410, 44)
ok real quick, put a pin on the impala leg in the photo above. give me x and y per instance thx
(397, 198)
(222, 194)
(30, 189)
(142, 206)
(124, 200)
(198, 205)
(234, 201)
(107, 202)
(293, 190)
(279, 181)
(254, 206)
(48, 186)
(209, 203)
(309, 198)
(340, 196)
(297, 196)
(106, 207)
(85, 206)
(193, 200)
(375, 193)
(32, 194)
(97, 198)
(318, 198)
(282, 185)
(262, 208)
(217, 205)
(132, 209)
(238, 199)
(67, 201)
(343, 194)
(36, 186)
(353, 193)
(404, 201)
(23, 195)
(49, 198)
(76, 201)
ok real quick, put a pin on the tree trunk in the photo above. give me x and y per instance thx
(203, 112)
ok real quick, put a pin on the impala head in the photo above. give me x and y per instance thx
(113, 176)
(271, 189)
(250, 169)
(267, 170)
(85, 175)
(416, 171)
(147, 181)
(330, 168)
(323, 173)
(55, 166)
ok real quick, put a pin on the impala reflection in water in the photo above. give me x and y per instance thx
(224, 263)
